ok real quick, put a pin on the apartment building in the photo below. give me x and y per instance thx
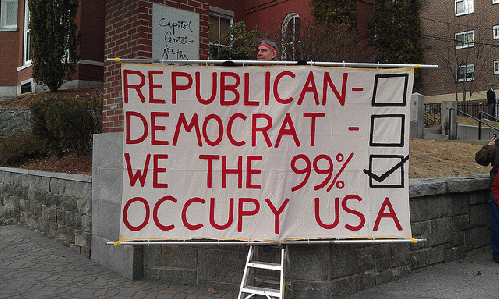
(462, 38)
(15, 61)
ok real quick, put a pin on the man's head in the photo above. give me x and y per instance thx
(267, 50)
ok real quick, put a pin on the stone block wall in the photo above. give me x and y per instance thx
(13, 121)
(451, 213)
(59, 205)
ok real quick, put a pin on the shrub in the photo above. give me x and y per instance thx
(65, 125)
(17, 149)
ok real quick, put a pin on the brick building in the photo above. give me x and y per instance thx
(462, 37)
(129, 32)
(15, 61)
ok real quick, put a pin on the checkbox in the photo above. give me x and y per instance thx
(387, 130)
(390, 90)
(386, 171)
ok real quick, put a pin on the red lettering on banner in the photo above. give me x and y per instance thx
(152, 86)
(391, 214)
(336, 212)
(212, 215)
(197, 76)
(128, 116)
(155, 213)
(250, 171)
(226, 171)
(276, 212)
(312, 125)
(155, 128)
(276, 90)
(184, 214)
(209, 178)
(182, 121)
(229, 129)
(245, 213)
(263, 129)
(139, 175)
(328, 82)
(137, 87)
(176, 87)
(267, 88)
(157, 169)
(309, 87)
(227, 87)
(287, 131)
(220, 130)
(247, 101)
(357, 213)
(125, 214)
(238, 171)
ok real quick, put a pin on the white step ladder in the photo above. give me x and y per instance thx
(264, 291)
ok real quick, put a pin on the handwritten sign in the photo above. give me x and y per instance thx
(175, 33)
(265, 153)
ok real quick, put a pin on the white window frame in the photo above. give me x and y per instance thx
(468, 42)
(495, 1)
(291, 17)
(464, 7)
(468, 69)
(495, 30)
(496, 66)
(221, 14)
(3, 16)
(27, 37)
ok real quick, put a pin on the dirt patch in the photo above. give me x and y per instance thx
(25, 100)
(435, 158)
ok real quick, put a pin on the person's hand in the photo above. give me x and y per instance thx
(492, 141)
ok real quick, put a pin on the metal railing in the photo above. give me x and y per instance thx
(479, 120)
(432, 114)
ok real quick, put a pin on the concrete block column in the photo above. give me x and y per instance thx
(449, 128)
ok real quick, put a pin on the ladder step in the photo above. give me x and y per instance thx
(268, 266)
(261, 291)
(267, 281)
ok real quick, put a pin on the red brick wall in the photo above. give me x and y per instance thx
(439, 25)
(128, 34)
(8, 59)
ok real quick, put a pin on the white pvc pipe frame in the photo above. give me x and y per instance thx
(272, 63)
(298, 242)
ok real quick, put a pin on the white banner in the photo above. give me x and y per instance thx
(265, 153)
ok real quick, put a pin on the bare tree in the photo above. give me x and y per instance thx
(320, 42)
(466, 57)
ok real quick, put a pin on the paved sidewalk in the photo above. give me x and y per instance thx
(476, 277)
(35, 266)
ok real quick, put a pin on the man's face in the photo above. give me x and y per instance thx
(265, 53)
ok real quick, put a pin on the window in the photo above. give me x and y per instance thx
(220, 22)
(495, 31)
(290, 36)
(496, 67)
(27, 37)
(464, 7)
(495, 1)
(465, 39)
(465, 73)
(8, 16)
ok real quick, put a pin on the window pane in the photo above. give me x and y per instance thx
(224, 27)
(460, 7)
(214, 29)
(9, 14)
